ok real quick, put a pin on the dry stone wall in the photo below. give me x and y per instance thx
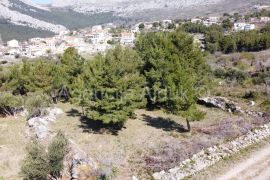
(210, 156)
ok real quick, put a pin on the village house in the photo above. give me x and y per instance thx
(97, 28)
(13, 44)
(127, 38)
(265, 19)
(244, 26)
(211, 21)
(97, 37)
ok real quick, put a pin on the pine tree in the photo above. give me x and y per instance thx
(174, 67)
(116, 86)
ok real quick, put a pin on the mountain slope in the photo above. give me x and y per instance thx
(154, 9)
(7, 12)
(20, 16)
(26, 16)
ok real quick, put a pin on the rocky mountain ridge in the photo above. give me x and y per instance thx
(18, 18)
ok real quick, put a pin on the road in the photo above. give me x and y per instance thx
(255, 167)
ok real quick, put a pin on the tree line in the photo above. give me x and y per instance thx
(218, 39)
(164, 70)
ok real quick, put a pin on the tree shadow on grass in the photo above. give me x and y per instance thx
(164, 124)
(98, 127)
(73, 113)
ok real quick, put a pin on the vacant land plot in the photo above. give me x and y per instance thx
(153, 141)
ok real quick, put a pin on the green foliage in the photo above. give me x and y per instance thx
(35, 165)
(156, 24)
(173, 68)
(9, 103)
(227, 24)
(217, 40)
(194, 28)
(228, 45)
(251, 95)
(111, 86)
(193, 114)
(141, 26)
(39, 164)
(31, 77)
(35, 102)
(56, 153)
(231, 75)
(261, 78)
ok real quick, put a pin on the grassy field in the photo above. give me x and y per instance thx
(151, 142)
(13, 139)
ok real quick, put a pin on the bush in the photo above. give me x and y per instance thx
(35, 102)
(56, 153)
(251, 95)
(9, 104)
(40, 165)
(35, 165)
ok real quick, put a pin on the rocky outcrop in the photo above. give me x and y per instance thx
(78, 165)
(18, 18)
(212, 155)
(40, 125)
(227, 105)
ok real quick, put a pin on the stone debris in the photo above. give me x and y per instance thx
(212, 155)
(82, 165)
(39, 125)
(227, 105)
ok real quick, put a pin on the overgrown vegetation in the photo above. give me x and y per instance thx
(39, 164)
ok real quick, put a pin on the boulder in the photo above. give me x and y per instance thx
(41, 131)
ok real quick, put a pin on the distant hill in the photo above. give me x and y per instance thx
(10, 31)
(156, 9)
(22, 19)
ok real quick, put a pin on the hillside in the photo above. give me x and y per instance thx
(154, 9)
(68, 14)
(20, 16)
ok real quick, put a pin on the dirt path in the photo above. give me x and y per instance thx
(256, 167)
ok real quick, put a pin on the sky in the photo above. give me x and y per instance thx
(42, 1)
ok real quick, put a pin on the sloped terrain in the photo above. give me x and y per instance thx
(155, 9)
(22, 19)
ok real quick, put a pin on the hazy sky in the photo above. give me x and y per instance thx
(42, 1)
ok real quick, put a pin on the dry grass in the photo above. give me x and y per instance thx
(151, 142)
(12, 146)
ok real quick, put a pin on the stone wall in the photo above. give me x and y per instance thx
(212, 155)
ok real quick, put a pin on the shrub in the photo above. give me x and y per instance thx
(39, 165)
(56, 153)
(35, 102)
(250, 95)
(9, 103)
(35, 164)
